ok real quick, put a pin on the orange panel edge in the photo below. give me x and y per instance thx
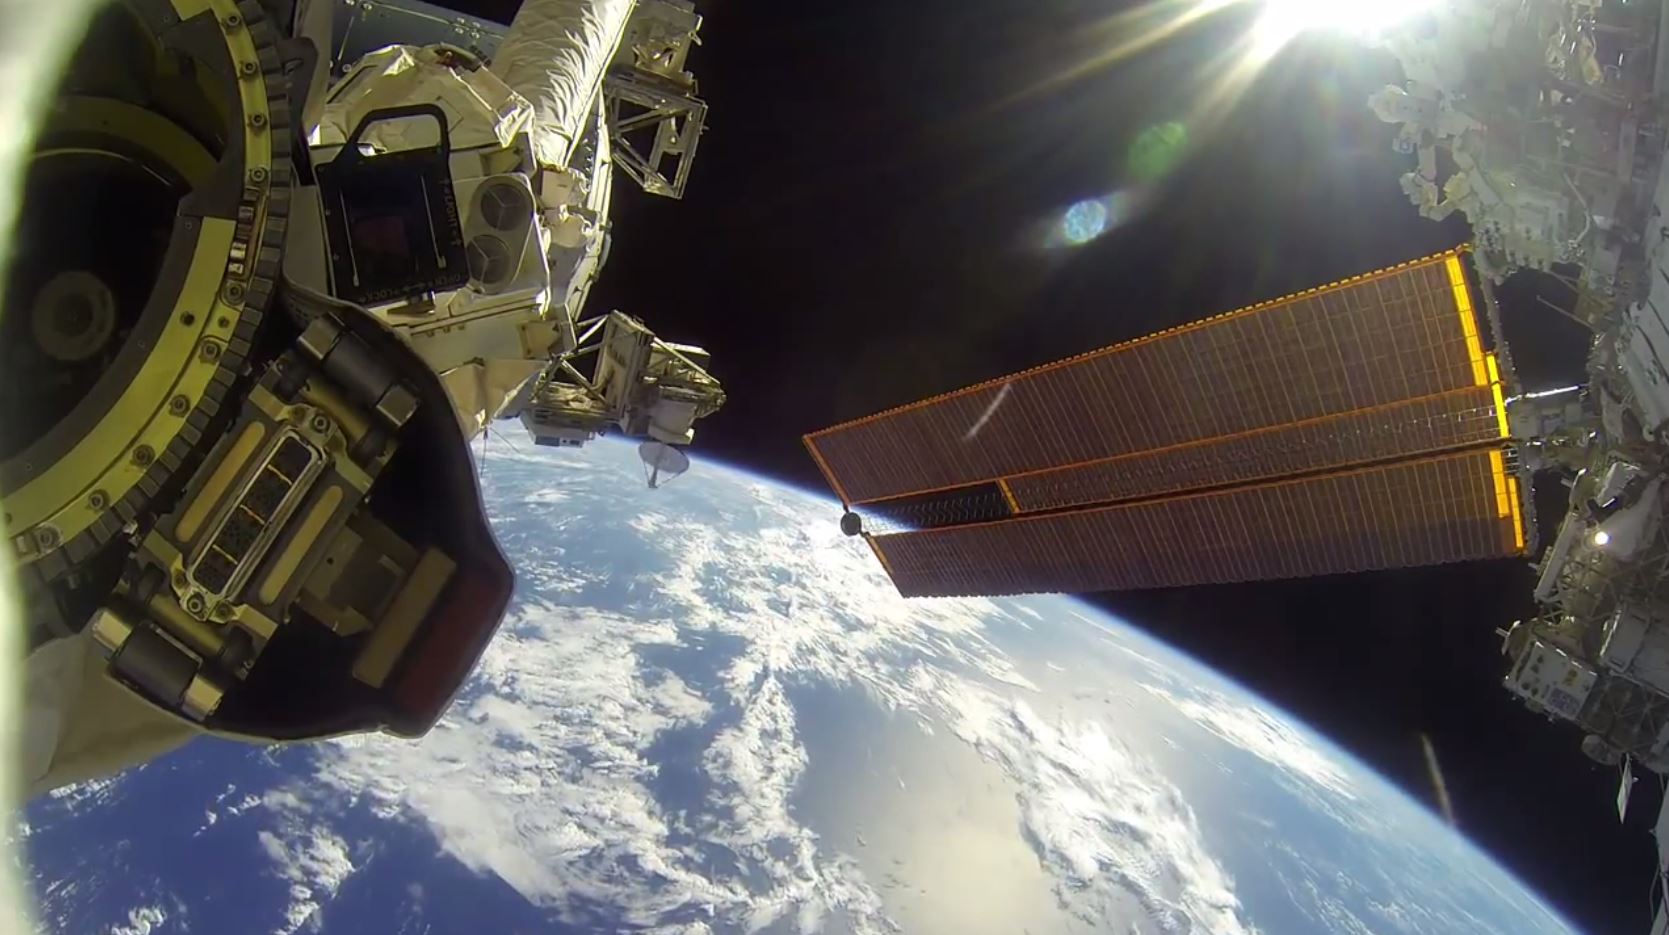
(1499, 398)
(881, 556)
(828, 475)
(1498, 477)
(1468, 317)
(1008, 496)
(1518, 518)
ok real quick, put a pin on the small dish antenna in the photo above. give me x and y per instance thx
(662, 462)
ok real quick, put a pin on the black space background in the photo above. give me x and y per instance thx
(863, 228)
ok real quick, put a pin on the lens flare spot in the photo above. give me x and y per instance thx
(1157, 151)
(1085, 221)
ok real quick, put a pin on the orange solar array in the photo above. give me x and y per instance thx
(1380, 338)
(1362, 436)
(1435, 510)
(1359, 425)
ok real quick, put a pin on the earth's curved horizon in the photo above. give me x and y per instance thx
(709, 711)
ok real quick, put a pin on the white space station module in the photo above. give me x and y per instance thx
(530, 145)
(1544, 124)
(270, 278)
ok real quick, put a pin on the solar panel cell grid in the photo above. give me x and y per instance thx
(1412, 427)
(1365, 343)
(1419, 512)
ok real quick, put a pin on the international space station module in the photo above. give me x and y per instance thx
(278, 264)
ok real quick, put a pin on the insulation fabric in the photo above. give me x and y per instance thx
(555, 55)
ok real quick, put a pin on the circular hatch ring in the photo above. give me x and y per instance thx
(82, 481)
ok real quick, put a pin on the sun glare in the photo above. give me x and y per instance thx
(1210, 94)
(1282, 20)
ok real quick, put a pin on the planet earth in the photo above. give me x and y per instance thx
(708, 711)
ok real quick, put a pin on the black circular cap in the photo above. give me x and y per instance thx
(489, 261)
(505, 205)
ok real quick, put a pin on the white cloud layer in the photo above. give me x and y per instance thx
(568, 704)
(142, 920)
(311, 858)
(1263, 734)
(635, 751)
